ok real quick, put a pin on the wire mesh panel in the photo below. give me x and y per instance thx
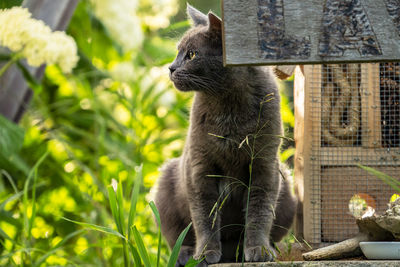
(390, 107)
(352, 117)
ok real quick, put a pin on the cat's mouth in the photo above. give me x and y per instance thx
(178, 83)
(180, 86)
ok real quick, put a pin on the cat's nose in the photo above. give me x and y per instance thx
(172, 68)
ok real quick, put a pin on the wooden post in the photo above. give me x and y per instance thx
(307, 137)
(299, 84)
(371, 106)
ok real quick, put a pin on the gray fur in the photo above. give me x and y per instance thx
(226, 103)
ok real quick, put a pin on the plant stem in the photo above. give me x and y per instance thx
(13, 59)
(252, 157)
(248, 200)
(126, 257)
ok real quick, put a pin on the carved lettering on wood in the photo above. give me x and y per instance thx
(345, 25)
(393, 7)
(289, 32)
(273, 41)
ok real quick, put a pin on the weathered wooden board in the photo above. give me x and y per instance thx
(272, 32)
(14, 92)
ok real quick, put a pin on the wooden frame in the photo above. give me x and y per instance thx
(266, 32)
(321, 190)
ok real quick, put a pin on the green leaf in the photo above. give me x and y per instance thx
(11, 137)
(120, 207)
(134, 198)
(114, 209)
(158, 219)
(9, 3)
(392, 182)
(177, 247)
(33, 201)
(98, 228)
(135, 254)
(14, 162)
(32, 82)
(142, 249)
(192, 262)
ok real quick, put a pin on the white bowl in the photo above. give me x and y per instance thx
(381, 250)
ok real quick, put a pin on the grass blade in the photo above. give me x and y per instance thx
(135, 254)
(134, 198)
(177, 247)
(117, 209)
(98, 228)
(33, 200)
(392, 182)
(140, 245)
(114, 209)
(120, 207)
(32, 175)
(158, 219)
(57, 247)
(10, 180)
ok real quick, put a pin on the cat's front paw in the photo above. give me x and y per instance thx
(259, 253)
(184, 255)
(210, 257)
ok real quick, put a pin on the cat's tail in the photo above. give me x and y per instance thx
(170, 202)
(286, 207)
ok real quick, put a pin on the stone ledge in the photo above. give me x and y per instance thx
(371, 263)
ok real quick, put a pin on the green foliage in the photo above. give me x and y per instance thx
(389, 180)
(9, 3)
(11, 137)
(116, 116)
(93, 125)
(175, 251)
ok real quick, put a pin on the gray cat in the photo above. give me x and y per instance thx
(235, 123)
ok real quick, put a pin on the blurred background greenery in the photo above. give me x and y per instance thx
(115, 112)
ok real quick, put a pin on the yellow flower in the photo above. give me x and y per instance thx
(35, 41)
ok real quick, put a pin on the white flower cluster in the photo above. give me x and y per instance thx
(123, 71)
(124, 22)
(121, 21)
(35, 41)
(160, 12)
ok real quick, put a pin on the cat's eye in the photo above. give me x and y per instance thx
(191, 54)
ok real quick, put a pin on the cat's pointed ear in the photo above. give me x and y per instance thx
(197, 17)
(215, 23)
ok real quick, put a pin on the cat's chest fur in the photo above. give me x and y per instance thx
(220, 126)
